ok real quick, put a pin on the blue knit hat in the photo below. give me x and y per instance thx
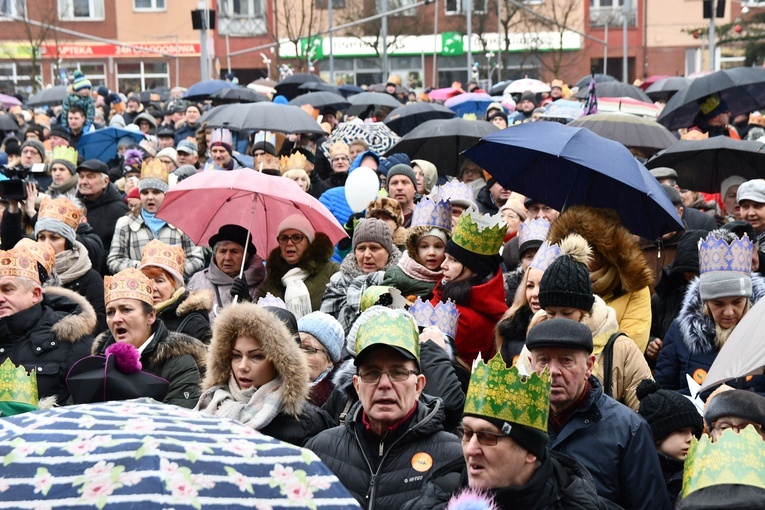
(327, 330)
(81, 82)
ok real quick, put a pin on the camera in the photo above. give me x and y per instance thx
(15, 188)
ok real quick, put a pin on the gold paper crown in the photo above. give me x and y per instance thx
(61, 209)
(16, 385)
(503, 393)
(737, 459)
(339, 148)
(479, 233)
(129, 283)
(266, 161)
(157, 253)
(44, 253)
(295, 160)
(154, 169)
(65, 153)
(19, 262)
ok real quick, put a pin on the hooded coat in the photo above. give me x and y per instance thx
(103, 213)
(627, 290)
(316, 261)
(178, 358)
(48, 338)
(189, 314)
(689, 345)
(297, 420)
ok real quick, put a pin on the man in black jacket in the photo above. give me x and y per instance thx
(390, 441)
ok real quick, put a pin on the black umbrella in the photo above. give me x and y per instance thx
(499, 88)
(162, 92)
(407, 117)
(742, 88)
(321, 100)
(442, 141)
(666, 87)
(49, 97)
(313, 86)
(263, 116)
(615, 89)
(237, 95)
(289, 87)
(702, 165)
(381, 87)
(584, 82)
(7, 123)
(629, 130)
(368, 101)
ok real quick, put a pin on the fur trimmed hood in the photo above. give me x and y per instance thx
(81, 320)
(608, 237)
(196, 301)
(697, 329)
(317, 256)
(278, 345)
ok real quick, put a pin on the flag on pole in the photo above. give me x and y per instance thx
(591, 105)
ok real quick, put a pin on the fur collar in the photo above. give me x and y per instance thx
(278, 345)
(343, 376)
(81, 320)
(313, 261)
(198, 300)
(698, 330)
(605, 233)
(167, 345)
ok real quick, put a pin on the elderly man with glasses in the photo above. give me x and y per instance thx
(391, 442)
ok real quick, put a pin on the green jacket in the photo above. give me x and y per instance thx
(316, 261)
(396, 277)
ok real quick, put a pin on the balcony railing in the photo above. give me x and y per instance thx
(612, 16)
(242, 26)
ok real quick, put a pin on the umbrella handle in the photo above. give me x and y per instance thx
(247, 241)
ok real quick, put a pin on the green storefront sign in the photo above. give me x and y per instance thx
(451, 44)
(313, 47)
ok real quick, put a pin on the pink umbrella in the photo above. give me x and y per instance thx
(206, 201)
(444, 94)
(9, 101)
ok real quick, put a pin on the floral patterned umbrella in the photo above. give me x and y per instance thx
(139, 452)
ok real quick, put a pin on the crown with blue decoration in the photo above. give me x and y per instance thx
(433, 213)
(718, 254)
(444, 316)
(457, 193)
(271, 300)
(546, 255)
(534, 230)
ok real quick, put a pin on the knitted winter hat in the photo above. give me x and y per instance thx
(81, 82)
(567, 281)
(402, 169)
(374, 230)
(666, 411)
(297, 222)
(327, 330)
(740, 403)
(36, 145)
(529, 96)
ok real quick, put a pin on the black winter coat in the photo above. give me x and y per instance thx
(300, 430)
(485, 203)
(92, 242)
(91, 287)
(49, 338)
(103, 213)
(383, 474)
(190, 315)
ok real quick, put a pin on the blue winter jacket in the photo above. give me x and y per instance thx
(616, 446)
(334, 198)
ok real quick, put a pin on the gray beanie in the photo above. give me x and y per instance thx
(402, 169)
(739, 403)
(36, 145)
(68, 164)
(57, 227)
(374, 230)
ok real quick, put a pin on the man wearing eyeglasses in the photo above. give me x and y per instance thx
(608, 438)
(734, 409)
(390, 442)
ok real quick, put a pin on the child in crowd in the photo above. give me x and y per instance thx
(80, 95)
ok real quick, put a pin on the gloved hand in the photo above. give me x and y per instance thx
(240, 288)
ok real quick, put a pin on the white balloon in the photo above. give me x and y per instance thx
(361, 187)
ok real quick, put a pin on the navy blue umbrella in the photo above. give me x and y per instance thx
(206, 88)
(562, 166)
(102, 143)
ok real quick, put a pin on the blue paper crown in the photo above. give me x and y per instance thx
(444, 315)
(271, 300)
(534, 230)
(456, 192)
(546, 255)
(264, 136)
(433, 213)
(716, 254)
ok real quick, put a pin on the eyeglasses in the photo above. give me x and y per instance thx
(534, 209)
(394, 374)
(340, 158)
(485, 437)
(721, 426)
(295, 238)
(311, 351)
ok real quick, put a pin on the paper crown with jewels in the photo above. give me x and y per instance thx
(271, 300)
(503, 393)
(545, 256)
(65, 154)
(154, 175)
(266, 162)
(734, 459)
(432, 213)
(457, 193)
(479, 233)
(61, 209)
(294, 161)
(222, 136)
(533, 230)
(156, 253)
(444, 316)
(18, 389)
(19, 262)
(43, 252)
(338, 148)
(393, 328)
(717, 254)
(129, 283)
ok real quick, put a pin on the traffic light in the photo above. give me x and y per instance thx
(719, 8)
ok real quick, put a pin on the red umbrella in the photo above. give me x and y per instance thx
(652, 79)
(206, 201)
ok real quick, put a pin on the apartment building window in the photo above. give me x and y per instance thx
(396, 4)
(137, 76)
(12, 8)
(81, 10)
(611, 13)
(148, 5)
(95, 71)
(459, 6)
(242, 17)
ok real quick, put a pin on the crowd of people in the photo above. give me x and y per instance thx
(465, 343)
